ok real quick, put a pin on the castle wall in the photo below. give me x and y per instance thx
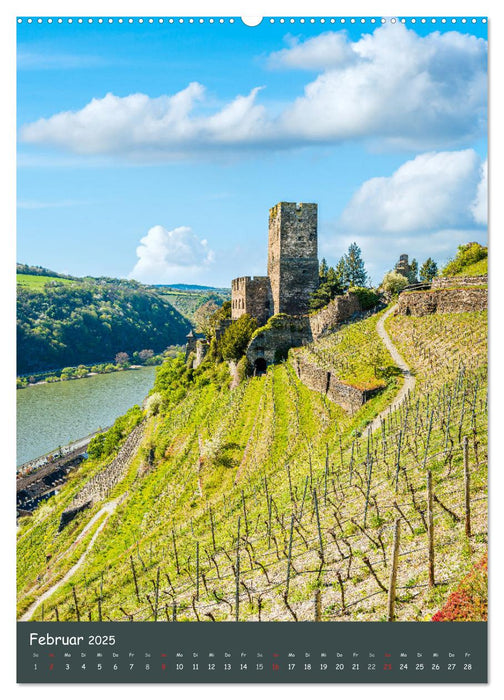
(274, 341)
(284, 332)
(340, 309)
(201, 351)
(190, 344)
(292, 256)
(442, 301)
(251, 295)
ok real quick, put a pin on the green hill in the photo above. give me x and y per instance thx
(263, 494)
(188, 301)
(63, 322)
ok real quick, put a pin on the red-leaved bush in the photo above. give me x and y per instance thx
(469, 602)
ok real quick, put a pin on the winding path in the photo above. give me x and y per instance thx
(108, 508)
(409, 379)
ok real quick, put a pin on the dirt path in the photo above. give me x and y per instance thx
(409, 379)
(108, 508)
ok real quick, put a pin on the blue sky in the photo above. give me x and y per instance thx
(155, 150)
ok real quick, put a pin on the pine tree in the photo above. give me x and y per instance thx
(355, 272)
(323, 270)
(341, 274)
(413, 273)
(428, 270)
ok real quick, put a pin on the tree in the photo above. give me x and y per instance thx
(393, 282)
(235, 339)
(122, 359)
(323, 270)
(341, 274)
(428, 270)
(413, 273)
(354, 270)
(203, 318)
(330, 285)
(144, 355)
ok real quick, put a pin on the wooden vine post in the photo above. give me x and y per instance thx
(430, 528)
(318, 606)
(393, 572)
(157, 596)
(467, 488)
(197, 571)
(321, 543)
(237, 591)
(289, 557)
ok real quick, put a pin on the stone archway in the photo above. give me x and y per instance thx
(259, 366)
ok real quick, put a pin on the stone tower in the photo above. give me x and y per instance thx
(402, 267)
(293, 267)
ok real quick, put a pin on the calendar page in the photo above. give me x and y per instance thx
(252, 349)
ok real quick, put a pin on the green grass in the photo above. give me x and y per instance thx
(38, 282)
(477, 268)
(272, 438)
(356, 354)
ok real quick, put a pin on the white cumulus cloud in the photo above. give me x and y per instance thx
(413, 91)
(432, 191)
(328, 50)
(427, 207)
(392, 86)
(171, 256)
(479, 207)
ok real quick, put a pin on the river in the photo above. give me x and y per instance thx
(50, 415)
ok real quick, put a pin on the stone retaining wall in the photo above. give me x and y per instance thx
(100, 485)
(325, 382)
(442, 282)
(442, 301)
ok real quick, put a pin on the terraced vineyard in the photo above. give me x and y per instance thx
(268, 502)
(357, 355)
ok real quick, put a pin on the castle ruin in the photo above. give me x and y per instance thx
(403, 266)
(293, 268)
(293, 275)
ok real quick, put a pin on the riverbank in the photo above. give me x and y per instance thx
(80, 372)
(53, 414)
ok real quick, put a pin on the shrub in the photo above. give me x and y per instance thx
(236, 338)
(367, 297)
(153, 404)
(393, 282)
(469, 602)
(467, 254)
(106, 444)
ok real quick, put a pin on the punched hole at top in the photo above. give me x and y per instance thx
(252, 21)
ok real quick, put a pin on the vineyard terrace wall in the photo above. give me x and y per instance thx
(442, 301)
(349, 397)
(443, 282)
(99, 487)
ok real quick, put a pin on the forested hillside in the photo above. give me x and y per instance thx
(66, 323)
